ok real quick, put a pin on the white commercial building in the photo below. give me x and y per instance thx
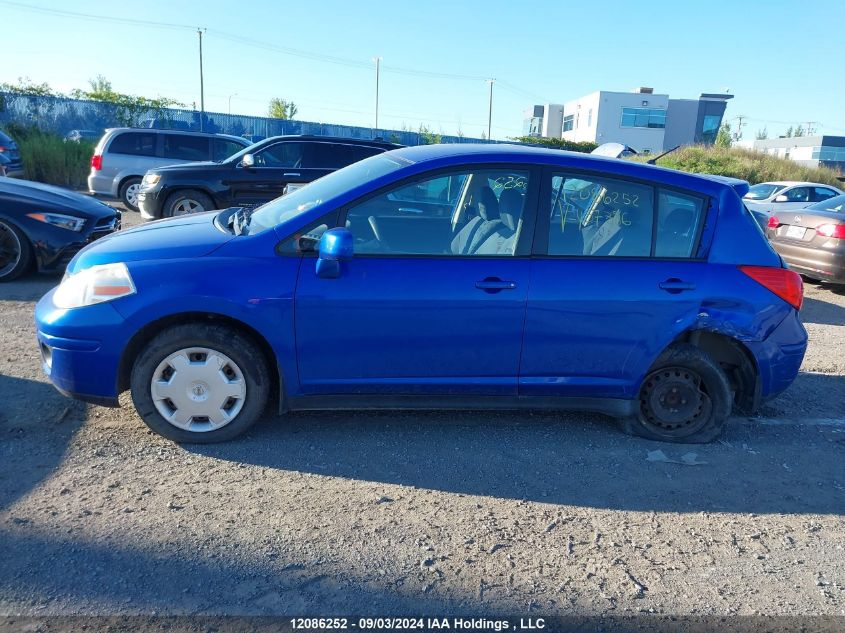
(641, 119)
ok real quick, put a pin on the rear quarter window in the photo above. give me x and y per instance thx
(134, 144)
(186, 147)
(678, 219)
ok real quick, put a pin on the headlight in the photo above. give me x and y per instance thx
(94, 285)
(68, 222)
(151, 179)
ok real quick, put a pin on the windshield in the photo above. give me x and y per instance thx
(835, 204)
(326, 188)
(762, 191)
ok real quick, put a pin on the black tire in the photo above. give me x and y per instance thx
(186, 198)
(15, 252)
(237, 347)
(685, 398)
(124, 192)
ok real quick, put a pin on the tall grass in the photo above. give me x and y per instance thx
(742, 163)
(48, 158)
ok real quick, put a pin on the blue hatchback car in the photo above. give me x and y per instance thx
(448, 276)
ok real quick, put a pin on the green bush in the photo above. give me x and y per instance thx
(558, 143)
(48, 158)
(741, 163)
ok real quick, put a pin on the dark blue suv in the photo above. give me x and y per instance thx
(449, 276)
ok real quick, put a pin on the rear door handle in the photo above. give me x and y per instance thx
(494, 284)
(291, 173)
(675, 285)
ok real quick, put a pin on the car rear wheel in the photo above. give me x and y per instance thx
(187, 202)
(685, 398)
(200, 383)
(15, 252)
(129, 192)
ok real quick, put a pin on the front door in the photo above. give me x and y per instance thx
(433, 300)
(275, 166)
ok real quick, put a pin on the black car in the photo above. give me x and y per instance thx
(253, 176)
(46, 226)
(9, 149)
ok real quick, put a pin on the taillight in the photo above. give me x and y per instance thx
(832, 230)
(785, 283)
(774, 222)
(97, 162)
(3, 149)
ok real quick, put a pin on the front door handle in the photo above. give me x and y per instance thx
(675, 285)
(292, 173)
(494, 284)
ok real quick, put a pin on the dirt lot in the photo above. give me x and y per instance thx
(399, 513)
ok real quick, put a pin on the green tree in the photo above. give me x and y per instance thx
(723, 136)
(429, 137)
(799, 131)
(762, 134)
(789, 132)
(26, 86)
(281, 109)
(128, 108)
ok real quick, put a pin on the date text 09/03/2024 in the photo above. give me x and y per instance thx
(425, 624)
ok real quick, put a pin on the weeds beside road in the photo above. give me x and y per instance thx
(424, 512)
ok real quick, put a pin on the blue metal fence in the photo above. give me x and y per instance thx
(62, 114)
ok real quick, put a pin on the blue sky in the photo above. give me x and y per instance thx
(779, 58)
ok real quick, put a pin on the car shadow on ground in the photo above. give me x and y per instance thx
(31, 287)
(37, 424)
(141, 578)
(567, 459)
(822, 312)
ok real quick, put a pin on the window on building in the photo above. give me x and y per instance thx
(568, 122)
(710, 128)
(590, 117)
(829, 153)
(644, 117)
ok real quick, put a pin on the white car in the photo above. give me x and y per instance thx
(787, 195)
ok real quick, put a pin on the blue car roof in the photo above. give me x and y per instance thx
(506, 152)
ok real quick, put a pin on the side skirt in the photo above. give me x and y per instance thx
(615, 407)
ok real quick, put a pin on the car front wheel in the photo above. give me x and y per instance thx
(15, 252)
(200, 383)
(187, 202)
(685, 398)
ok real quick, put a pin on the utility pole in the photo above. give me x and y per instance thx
(377, 60)
(491, 81)
(234, 94)
(810, 128)
(738, 134)
(202, 86)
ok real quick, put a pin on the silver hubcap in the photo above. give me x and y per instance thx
(132, 194)
(10, 250)
(186, 206)
(198, 389)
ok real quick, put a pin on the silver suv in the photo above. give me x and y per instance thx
(124, 155)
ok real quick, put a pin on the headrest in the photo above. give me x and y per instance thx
(488, 205)
(510, 208)
(679, 220)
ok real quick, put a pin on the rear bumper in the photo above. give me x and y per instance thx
(780, 355)
(102, 185)
(817, 263)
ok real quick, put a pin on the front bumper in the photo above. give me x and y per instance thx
(816, 263)
(81, 349)
(150, 202)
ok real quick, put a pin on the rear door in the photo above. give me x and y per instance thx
(614, 271)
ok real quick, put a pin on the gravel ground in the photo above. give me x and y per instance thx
(401, 513)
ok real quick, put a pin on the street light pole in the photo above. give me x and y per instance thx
(202, 86)
(377, 60)
(490, 109)
(234, 94)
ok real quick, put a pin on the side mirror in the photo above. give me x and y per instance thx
(248, 160)
(335, 247)
(782, 198)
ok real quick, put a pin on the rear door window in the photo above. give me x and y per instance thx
(134, 143)
(678, 219)
(328, 156)
(822, 193)
(186, 147)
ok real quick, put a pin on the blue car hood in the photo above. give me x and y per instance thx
(178, 238)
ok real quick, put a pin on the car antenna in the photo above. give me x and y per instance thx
(653, 161)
